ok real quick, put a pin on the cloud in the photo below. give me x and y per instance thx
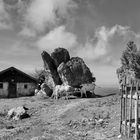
(30, 17)
(4, 26)
(58, 37)
(46, 21)
(27, 32)
(46, 14)
(20, 54)
(4, 17)
(12, 13)
(107, 44)
(105, 47)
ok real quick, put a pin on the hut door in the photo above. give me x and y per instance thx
(12, 90)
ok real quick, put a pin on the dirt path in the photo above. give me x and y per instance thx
(78, 119)
(69, 106)
(56, 111)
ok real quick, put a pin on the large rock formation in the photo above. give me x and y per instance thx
(50, 66)
(60, 69)
(60, 55)
(75, 72)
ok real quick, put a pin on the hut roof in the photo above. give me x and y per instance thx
(10, 69)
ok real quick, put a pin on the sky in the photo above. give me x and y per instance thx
(95, 30)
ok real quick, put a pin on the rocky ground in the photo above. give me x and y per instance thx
(74, 119)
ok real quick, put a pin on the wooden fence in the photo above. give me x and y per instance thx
(130, 121)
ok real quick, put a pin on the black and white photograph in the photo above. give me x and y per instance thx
(69, 69)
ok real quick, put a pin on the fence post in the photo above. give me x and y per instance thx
(123, 109)
(130, 112)
(126, 94)
(122, 91)
(136, 113)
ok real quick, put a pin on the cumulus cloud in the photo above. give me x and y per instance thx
(4, 17)
(59, 37)
(43, 14)
(12, 13)
(107, 43)
(4, 26)
(35, 16)
(91, 51)
(44, 20)
(27, 32)
(104, 48)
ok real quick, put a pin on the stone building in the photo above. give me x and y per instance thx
(15, 83)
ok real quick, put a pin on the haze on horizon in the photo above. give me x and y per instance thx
(95, 30)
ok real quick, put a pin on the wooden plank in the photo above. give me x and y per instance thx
(133, 125)
(133, 97)
(136, 114)
(126, 93)
(127, 120)
(121, 109)
(125, 116)
(130, 113)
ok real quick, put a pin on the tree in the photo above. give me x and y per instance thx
(131, 59)
(120, 70)
(137, 65)
(128, 58)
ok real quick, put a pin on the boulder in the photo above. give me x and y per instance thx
(50, 66)
(18, 113)
(60, 55)
(46, 89)
(49, 79)
(75, 72)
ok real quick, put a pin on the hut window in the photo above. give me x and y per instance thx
(1, 85)
(25, 86)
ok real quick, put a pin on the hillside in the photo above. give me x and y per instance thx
(74, 119)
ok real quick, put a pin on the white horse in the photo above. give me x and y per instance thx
(41, 92)
(55, 93)
(60, 90)
(87, 87)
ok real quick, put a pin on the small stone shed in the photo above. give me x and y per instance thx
(15, 83)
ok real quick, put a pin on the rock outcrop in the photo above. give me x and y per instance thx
(18, 113)
(50, 66)
(49, 79)
(60, 55)
(60, 69)
(75, 72)
(46, 89)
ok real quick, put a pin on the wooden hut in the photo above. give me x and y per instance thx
(15, 83)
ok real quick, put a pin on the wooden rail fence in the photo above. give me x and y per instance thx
(130, 121)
